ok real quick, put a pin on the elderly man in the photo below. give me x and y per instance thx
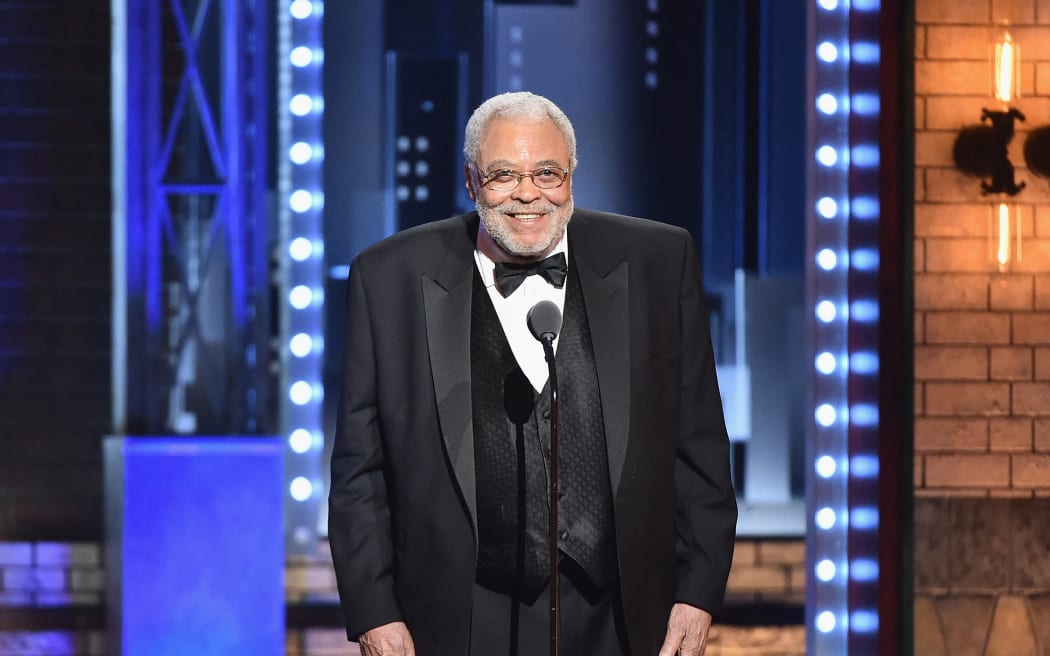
(439, 503)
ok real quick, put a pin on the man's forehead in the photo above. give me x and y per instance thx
(542, 138)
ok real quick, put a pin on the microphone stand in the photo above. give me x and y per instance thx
(544, 321)
(547, 340)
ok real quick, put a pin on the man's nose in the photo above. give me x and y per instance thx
(526, 190)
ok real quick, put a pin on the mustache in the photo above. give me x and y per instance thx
(521, 208)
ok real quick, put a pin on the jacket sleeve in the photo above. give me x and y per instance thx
(359, 526)
(706, 511)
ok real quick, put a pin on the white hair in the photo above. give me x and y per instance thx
(516, 104)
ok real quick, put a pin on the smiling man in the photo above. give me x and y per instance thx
(439, 508)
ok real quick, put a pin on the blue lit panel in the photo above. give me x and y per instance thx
(300, 158)
(195, 560)
(842, 275)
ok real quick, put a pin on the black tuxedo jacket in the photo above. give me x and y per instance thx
(402, 506)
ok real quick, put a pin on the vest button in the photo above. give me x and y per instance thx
(546, 414)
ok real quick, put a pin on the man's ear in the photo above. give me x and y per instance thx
(468, 178)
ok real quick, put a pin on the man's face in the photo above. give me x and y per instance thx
(527, 221)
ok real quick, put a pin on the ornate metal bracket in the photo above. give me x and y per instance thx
(982, 150)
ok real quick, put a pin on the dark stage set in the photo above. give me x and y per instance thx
(183, 184)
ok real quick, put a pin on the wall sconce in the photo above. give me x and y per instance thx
(1037, 151)
(983, 151)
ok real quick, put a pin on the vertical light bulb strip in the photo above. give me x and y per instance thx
(843, 241)
(827, 219)
(300, 154)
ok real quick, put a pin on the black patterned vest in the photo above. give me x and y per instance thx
(512, 456)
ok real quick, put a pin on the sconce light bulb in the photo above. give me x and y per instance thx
(1005, 236)
(1003, 252)
(1007, 63)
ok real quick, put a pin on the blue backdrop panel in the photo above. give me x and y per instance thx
(195, 556)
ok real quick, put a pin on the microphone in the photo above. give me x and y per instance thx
(544, 320)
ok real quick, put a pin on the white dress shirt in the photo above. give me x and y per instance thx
(514, 309)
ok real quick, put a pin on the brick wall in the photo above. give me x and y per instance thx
(54, 266)
(768, 571)
(39, 577)
(982, 351)
(64, 576)
(764, 573)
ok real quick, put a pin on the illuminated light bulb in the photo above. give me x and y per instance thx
(826, 622)
(864, 518)
(300, 152)
(300, 249)
(866, 207)
(864, 621)
(826, 311)
(827, 155)
(1002, 253)
(1005, 235)
(300, 392)
(865, 104)
(1007, 67)
(865, 259)
(301, 297)
(827, 52)
(300, 440)
(866, 155)
(301, 104)
(301, 345)
(301, 200)
(301, 9)
(825, 570)
(864, 52)
(864, 414)
(864, 362)
(827, 207)
(864, 310)
(826, 466)
(826, 363)
(301, 488)
(864, 569)
(827, 104)
(864, 466)
(825, 414)
(301, 56)
(826, 259)
(825, 518)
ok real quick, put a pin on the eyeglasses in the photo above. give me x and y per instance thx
(548, 177)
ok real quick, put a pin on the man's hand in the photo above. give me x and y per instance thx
(388, 640)
(686, 631)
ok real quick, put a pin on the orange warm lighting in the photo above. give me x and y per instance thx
(1006, 235)
(1007, 68)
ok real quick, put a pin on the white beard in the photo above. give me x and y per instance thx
(496, 226)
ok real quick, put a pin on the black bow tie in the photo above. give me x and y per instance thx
(510, 275)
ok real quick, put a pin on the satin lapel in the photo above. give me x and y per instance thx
(446, 301)
(605, 296)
